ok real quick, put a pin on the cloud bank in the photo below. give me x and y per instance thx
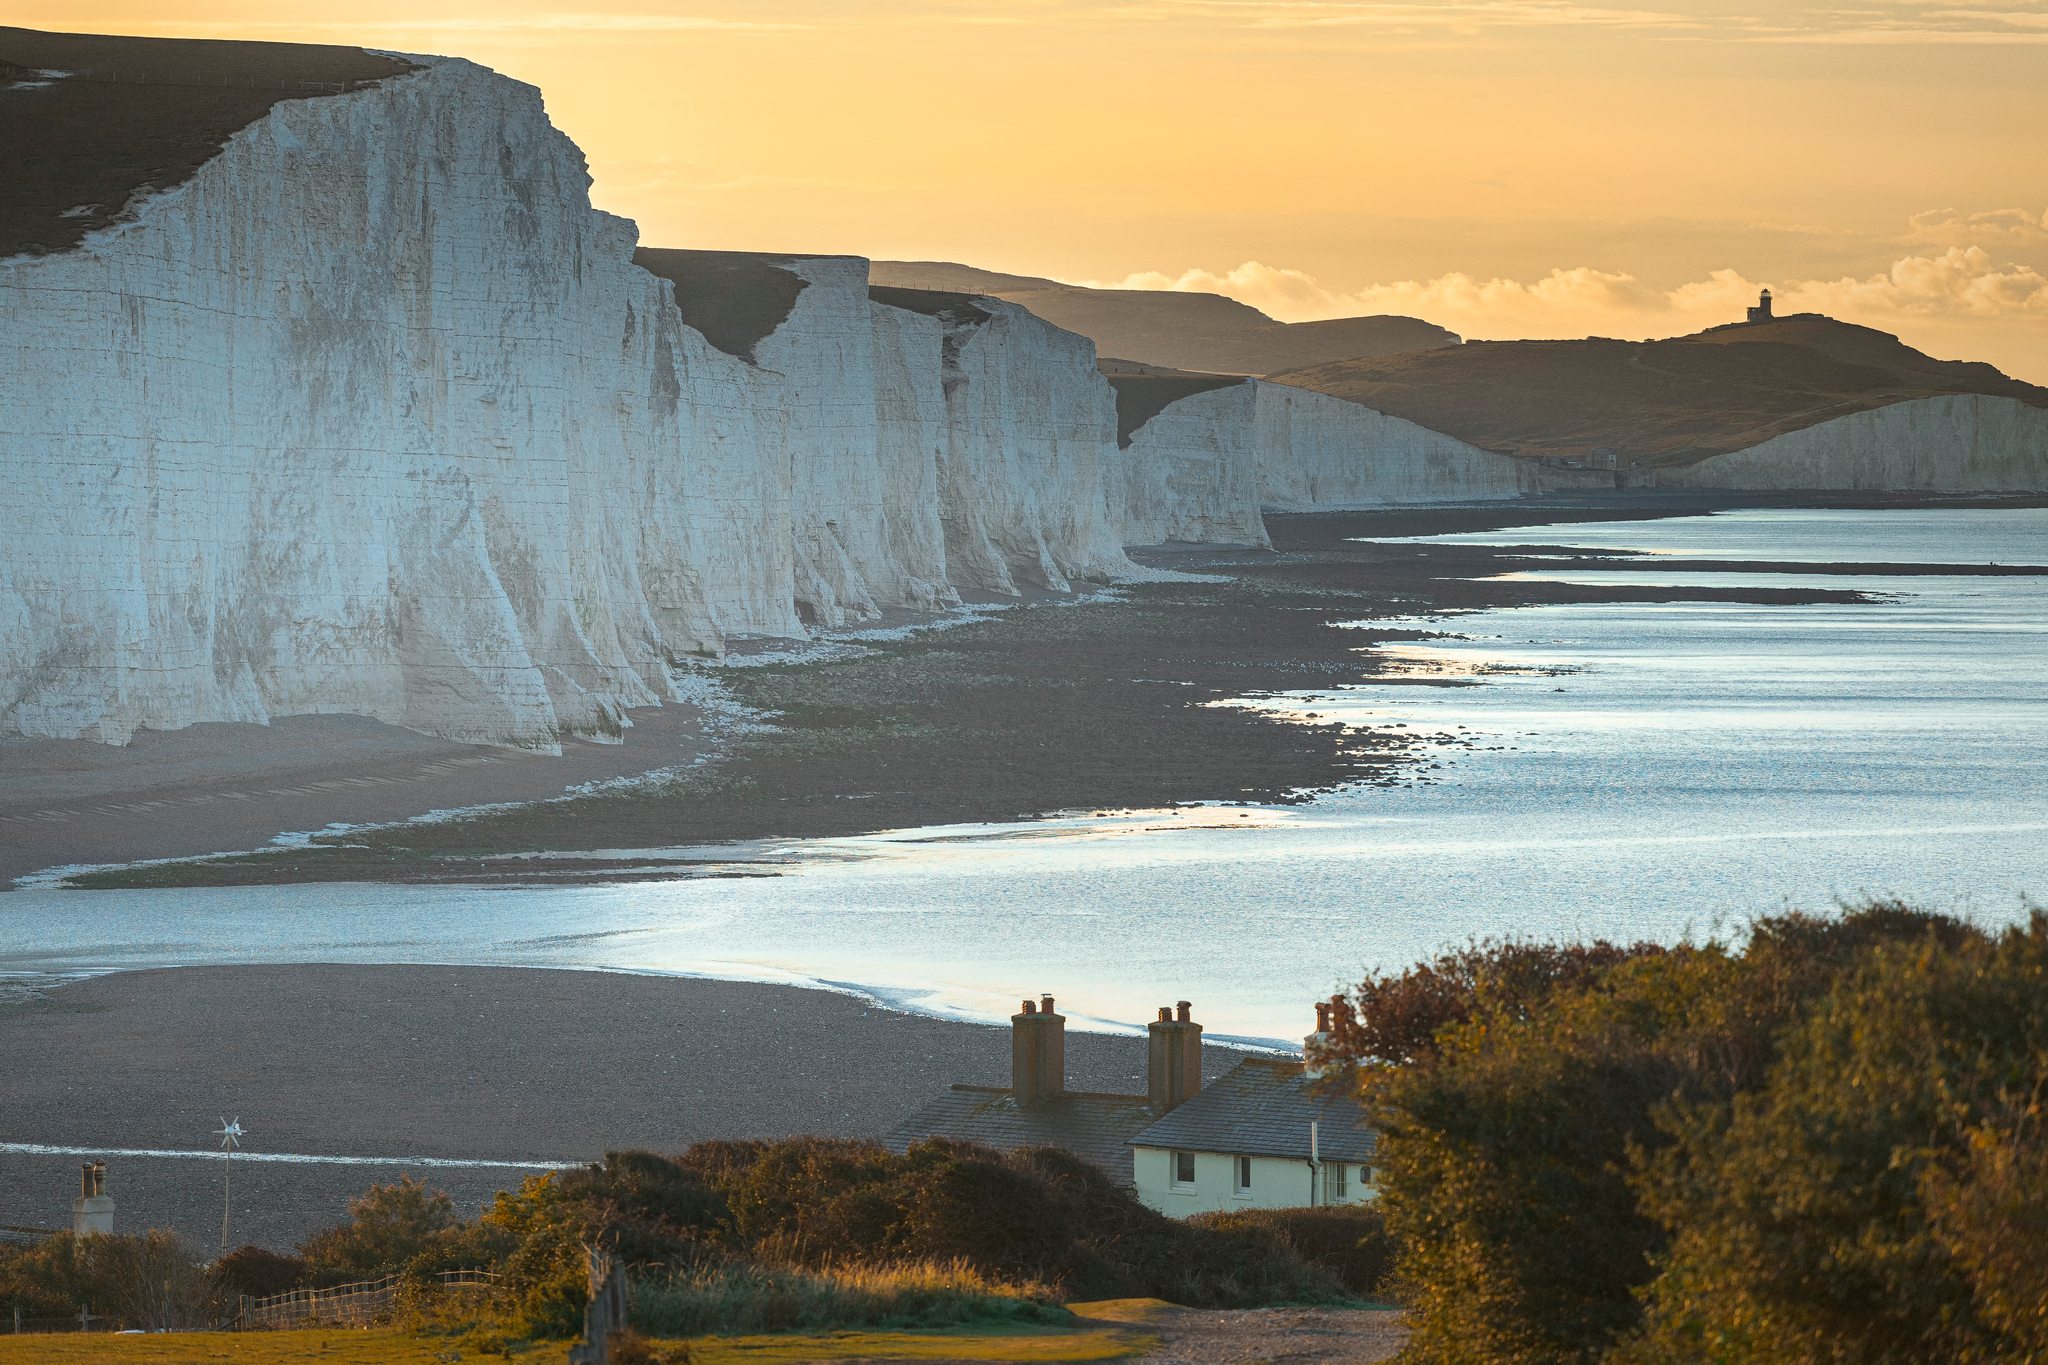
(1960, 282)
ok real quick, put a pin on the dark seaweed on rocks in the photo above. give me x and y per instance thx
(92, 121)
(735, 298)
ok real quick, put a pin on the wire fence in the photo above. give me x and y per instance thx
(344, 1305)
(76, 1322)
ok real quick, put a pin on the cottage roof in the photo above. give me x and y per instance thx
(1096, 1128)
(1263, 1107)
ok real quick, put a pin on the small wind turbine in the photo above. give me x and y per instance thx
(230, 1133)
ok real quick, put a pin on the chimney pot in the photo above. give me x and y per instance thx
(1038, 1053)
(1323, 1017)
(1045, 1004)
(1173, 1059)
(85, 1180)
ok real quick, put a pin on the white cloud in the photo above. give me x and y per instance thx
(1961, 282)
(1946, 227)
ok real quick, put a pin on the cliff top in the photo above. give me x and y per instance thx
(735, 298)
(93, 122)
(1141, 397)
(1188, 331)
(1659, 402)
(935, 303)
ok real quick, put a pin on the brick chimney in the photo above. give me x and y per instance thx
(1173, 1058)
(1038, 1053)
(1314, 1046)
(92, 1212)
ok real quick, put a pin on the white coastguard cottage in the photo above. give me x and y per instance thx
(1262, 1135)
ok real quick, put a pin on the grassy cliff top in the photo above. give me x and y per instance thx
(735, 298)
(93, 122)
(1188, 331)
(1658, 402)
(934, 303)
(1141, 397)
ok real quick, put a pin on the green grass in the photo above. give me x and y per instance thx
(376, 1347)
(330, 1346)
(754, 1299)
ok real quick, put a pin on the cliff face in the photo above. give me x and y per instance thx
(371, 413)
(1192, 471)
(1957, 443)
(1317, 451)
(1203, 458)
(374, 414)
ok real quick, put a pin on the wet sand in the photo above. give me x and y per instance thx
(1054, 704)
(1102, 703)
(505, 1064)
(223, 788)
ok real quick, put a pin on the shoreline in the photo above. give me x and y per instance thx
(1093, 703)
(500, 1064)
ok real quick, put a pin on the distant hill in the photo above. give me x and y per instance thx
(1654, 402)
(1204, 332)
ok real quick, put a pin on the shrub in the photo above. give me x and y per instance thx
(1042, 1216)
(744, 1298)
(149, 1280)
(1882, 1194)
(258, 1272)
(652, 1210)
(1549, 1146)
(1396, 1017)
(388, 1225)
(1349, 1241)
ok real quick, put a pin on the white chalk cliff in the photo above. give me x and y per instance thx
(1953, 443)
(374, 414)
(1316, 451)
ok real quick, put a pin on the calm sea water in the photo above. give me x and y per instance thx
(1611, 770)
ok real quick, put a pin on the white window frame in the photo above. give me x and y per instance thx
(1173, 1176)
(1336, 1182)
(1241, 1176)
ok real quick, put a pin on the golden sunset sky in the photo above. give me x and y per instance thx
(1504, 167)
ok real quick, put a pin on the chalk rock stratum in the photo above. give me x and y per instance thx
(342, 398)
(375, 414)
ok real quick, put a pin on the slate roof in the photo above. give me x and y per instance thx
(1096, 1128)
(1263, 1107)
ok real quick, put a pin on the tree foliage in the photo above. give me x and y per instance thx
(147, 1280)
(1822, 1145)
(388, 1227)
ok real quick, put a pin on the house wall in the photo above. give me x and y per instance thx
(1277, 1183)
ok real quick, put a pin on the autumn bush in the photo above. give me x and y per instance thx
(1349, 1241)
(1820, 1144)
(151, 1281)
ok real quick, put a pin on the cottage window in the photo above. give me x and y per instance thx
(1336, 1182)
(1244, 1175)
(1183, 1168)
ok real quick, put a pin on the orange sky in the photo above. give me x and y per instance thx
(1503, 167)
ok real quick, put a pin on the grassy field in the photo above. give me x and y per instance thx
(341, 1347)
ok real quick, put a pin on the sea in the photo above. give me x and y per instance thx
(1626, 771)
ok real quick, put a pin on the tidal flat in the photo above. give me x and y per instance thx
(1121, 700)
